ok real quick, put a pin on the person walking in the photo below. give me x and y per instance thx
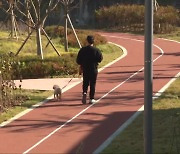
(88, 58)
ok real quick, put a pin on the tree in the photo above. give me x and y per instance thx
(156, 5)
(10, 11)
(68, 5)
(36, 12)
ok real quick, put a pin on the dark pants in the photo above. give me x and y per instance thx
(89, 78)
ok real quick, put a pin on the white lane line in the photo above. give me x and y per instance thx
(168, 40)
(64, 90)
(126, 38)
(61, 126)
(114, 61)
(118, 131)
(34, 106)
(130, 120)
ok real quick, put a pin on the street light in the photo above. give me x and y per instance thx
(148, 77)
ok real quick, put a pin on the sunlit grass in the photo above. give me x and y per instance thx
(174, 35)
(34, 96)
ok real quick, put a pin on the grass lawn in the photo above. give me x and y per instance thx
(166, 123)
(34, 96)
(174, 35)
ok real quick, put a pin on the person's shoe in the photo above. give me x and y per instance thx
(84, 98)
(92, 101)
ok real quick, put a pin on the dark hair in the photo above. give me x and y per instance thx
(90, 39)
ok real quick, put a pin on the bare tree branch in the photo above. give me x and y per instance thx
(49, 10)
(34, 8)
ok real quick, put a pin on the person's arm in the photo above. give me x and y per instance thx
(79, 61)
(79, 57)
(99, 56)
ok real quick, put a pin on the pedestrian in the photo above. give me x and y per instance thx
(88, 58)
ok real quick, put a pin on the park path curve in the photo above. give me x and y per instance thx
(70, 127)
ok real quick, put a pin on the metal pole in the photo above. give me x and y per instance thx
(74, 31)
(148, 77)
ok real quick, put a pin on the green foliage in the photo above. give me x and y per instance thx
(123, 17)
(10, 95)
(130, 18)
(35, 67)
(55, 32)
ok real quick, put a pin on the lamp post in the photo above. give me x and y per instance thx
(148, 77)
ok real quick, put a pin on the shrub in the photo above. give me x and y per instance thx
(123, 17)
(131, 18)
(10, 95)
(34, 67)
(55, 31)
(165, 19)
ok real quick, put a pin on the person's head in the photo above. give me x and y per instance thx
(90, 39)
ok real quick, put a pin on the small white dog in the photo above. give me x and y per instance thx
(57, 92)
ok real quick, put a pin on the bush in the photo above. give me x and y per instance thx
(165, 19)
(35, 67)
(55, 31)
(122, 17)
(10, 95)
(131, 18)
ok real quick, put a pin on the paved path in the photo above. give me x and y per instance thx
(70, 127)
(47, 83)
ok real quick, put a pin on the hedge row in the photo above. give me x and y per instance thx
(35, 67)
(131, 18)
(58, 31)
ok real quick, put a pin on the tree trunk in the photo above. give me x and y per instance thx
(80, 12)
(28, 17)
(39, 42)
(65, 33)
(12, 21)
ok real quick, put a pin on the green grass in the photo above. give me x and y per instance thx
(34, 96)
(110, 52)
(11, 44)
(174, 35)
(166, 123)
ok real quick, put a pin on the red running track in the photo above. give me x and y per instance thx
(70, 127)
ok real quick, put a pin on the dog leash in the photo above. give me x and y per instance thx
(67, 83)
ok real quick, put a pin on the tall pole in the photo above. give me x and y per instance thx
(74, 31)
(148, 77)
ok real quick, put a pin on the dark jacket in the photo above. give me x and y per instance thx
(89, 57)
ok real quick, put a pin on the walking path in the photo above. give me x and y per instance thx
(47, 83)
(70, 127)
